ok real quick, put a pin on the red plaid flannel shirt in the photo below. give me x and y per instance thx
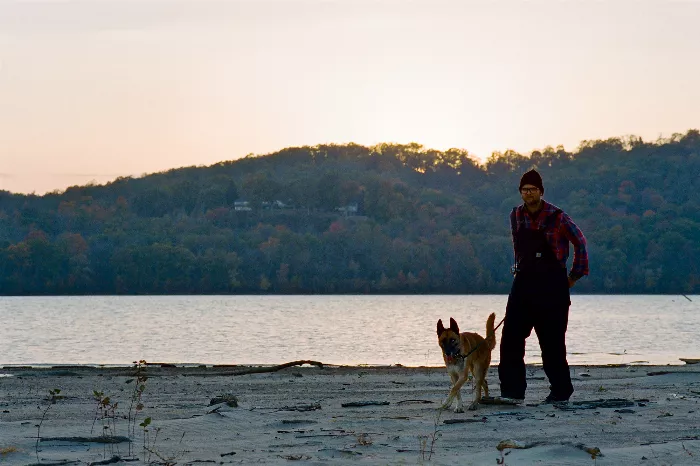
(564, 231)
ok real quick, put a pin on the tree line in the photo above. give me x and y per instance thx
(392, 218)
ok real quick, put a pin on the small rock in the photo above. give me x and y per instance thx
(230, 401)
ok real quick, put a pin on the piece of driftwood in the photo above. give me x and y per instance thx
(60, 463)
(260, 370)
(516, 444)
(301, 408)
(161, 364)
(357, 404)
(490, 400)
(295, 457)
(595, 404)
(113, 460)
(463, 421)
(425, 402)
(593, 451)
(341, 434)
(100, 439)
(690, 360)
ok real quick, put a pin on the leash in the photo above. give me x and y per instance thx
(483, 341)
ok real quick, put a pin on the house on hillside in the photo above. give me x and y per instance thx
(349, 209)
(241, 205)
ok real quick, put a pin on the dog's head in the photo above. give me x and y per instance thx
(448, 338)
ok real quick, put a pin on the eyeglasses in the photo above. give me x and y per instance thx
(529, 190)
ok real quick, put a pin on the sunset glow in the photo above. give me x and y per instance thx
(92, 90)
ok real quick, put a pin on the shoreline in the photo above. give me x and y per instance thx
(683, 362)
(310, 414)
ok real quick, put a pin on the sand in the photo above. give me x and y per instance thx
(296, 415)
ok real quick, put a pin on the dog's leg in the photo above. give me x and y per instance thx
(459, 408)
(454, 393)
(485, 384)
(450, 397)
(480, 380)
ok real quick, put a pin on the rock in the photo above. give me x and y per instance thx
(230, 401)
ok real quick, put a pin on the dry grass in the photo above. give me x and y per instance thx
(8, 450)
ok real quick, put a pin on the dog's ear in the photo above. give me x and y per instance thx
(453, 326)
(440, 327)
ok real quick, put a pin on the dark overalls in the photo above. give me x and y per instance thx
(539, 299)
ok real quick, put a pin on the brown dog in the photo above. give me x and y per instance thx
(455, 346)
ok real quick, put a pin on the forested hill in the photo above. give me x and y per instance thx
(353, 219)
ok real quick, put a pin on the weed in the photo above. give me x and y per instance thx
(52, 399)
(8, 450)
(106, 413)
(136, 405)
(423, 439)
(146, 438)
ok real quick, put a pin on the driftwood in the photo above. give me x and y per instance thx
(340, 434)
(113, 460)
(463, 421)
(425, 402)
(301, 408)
(60, 463)
(595, 404)
(516, 444)
(101, 439)
(260, 370)
(490, 400)
(593, 451)
(357, 404)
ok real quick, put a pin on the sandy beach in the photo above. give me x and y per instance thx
(305, 414)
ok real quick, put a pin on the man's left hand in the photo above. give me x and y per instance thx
(572, 282)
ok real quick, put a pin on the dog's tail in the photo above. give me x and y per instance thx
(490, 332)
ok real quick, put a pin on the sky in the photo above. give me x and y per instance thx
(95, 89)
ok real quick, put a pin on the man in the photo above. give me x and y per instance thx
(539, 297)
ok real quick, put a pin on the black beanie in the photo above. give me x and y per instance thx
(533, 178)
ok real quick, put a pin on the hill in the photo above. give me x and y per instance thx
(352, 219)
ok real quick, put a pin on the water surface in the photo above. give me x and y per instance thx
(330, 329)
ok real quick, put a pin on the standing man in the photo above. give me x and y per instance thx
(539, 297)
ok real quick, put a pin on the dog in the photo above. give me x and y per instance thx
(455, 346)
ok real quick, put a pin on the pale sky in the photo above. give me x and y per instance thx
(95, 89)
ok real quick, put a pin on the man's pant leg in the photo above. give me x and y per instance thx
(516, 328)
(550, 327)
